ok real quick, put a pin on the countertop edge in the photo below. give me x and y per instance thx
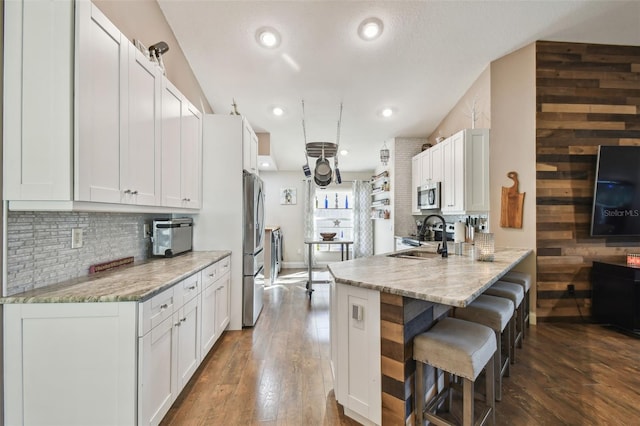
(216, 256)
(430, 298)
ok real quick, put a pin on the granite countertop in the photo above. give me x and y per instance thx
(454, 281)
(133, 283)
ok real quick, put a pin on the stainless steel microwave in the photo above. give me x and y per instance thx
(429, 196)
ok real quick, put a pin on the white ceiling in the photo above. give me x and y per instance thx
(427, 57)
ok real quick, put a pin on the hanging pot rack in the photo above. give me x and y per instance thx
(314, 149)
(322, 151)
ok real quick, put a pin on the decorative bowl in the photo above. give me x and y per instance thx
(327, 236)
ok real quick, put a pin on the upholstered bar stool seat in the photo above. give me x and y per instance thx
(461, 348)
(524, 280)
(515, 293)
(495, 313)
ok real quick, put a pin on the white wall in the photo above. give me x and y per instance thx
(513, 148)
(290, 218)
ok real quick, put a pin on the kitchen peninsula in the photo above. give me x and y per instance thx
(379, 304)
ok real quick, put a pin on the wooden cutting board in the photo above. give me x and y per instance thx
(512, 204)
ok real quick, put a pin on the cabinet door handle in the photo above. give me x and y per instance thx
(134, 192)
(212, 275)
(163, 306)
(220, 288)
(183, 319)
(127, 191)
(193, 287)
(177, 324)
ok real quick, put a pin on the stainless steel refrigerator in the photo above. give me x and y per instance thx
(252, 249)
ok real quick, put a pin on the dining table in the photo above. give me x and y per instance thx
(344, 255)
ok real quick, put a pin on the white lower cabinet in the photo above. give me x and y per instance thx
(70, 364)
(110, 363)
(357, 351)
(188, 340)
(156, 374)
(215, 302)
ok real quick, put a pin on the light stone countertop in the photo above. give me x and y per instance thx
(454, 281)
(136, 282)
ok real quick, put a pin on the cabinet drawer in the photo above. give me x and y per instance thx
(187, 289)
(155, 310)
(212, 273)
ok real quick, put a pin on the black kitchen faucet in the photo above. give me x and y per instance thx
(441, 250)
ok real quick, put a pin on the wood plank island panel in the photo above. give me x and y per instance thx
(586, 95)
(401, 319)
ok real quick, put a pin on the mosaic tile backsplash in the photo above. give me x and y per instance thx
(39, 249)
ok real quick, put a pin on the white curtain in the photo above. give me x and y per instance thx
(309, 200)
(362, 226)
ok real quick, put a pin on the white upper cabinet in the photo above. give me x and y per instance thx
(416, 181)
(38, 102)
(181, 150)
(426, 167)
(84, 117)
(118, 115)
(436, 162)
(191, 156)
(140, 166)
(465, 183)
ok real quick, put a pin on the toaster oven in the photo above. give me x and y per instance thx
(172, 236)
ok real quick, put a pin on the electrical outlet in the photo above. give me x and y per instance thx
(76, 238)
(571, 289)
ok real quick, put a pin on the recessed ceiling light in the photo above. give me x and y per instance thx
(386, 112)
(344, 152)
(370, 29)
(268, 37)
(277, 111)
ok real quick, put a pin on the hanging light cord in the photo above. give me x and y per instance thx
(338, 136)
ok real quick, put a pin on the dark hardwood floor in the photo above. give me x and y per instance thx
(278, 373)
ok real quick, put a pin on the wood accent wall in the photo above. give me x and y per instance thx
(401, 319)
(587, 95)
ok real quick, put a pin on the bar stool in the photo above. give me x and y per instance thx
(461, 348)
(515, 293)
(524, 280)
(495, 313)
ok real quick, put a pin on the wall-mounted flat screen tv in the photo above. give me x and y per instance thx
(616, 198)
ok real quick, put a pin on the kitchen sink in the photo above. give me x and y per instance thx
(415, 254)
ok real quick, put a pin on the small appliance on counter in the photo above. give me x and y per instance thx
(172, 236)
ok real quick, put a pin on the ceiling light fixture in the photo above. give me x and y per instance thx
(344, 152)
(387, 112)
(268, 37)
(265, 164)
(277, 111)
(370, 29)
